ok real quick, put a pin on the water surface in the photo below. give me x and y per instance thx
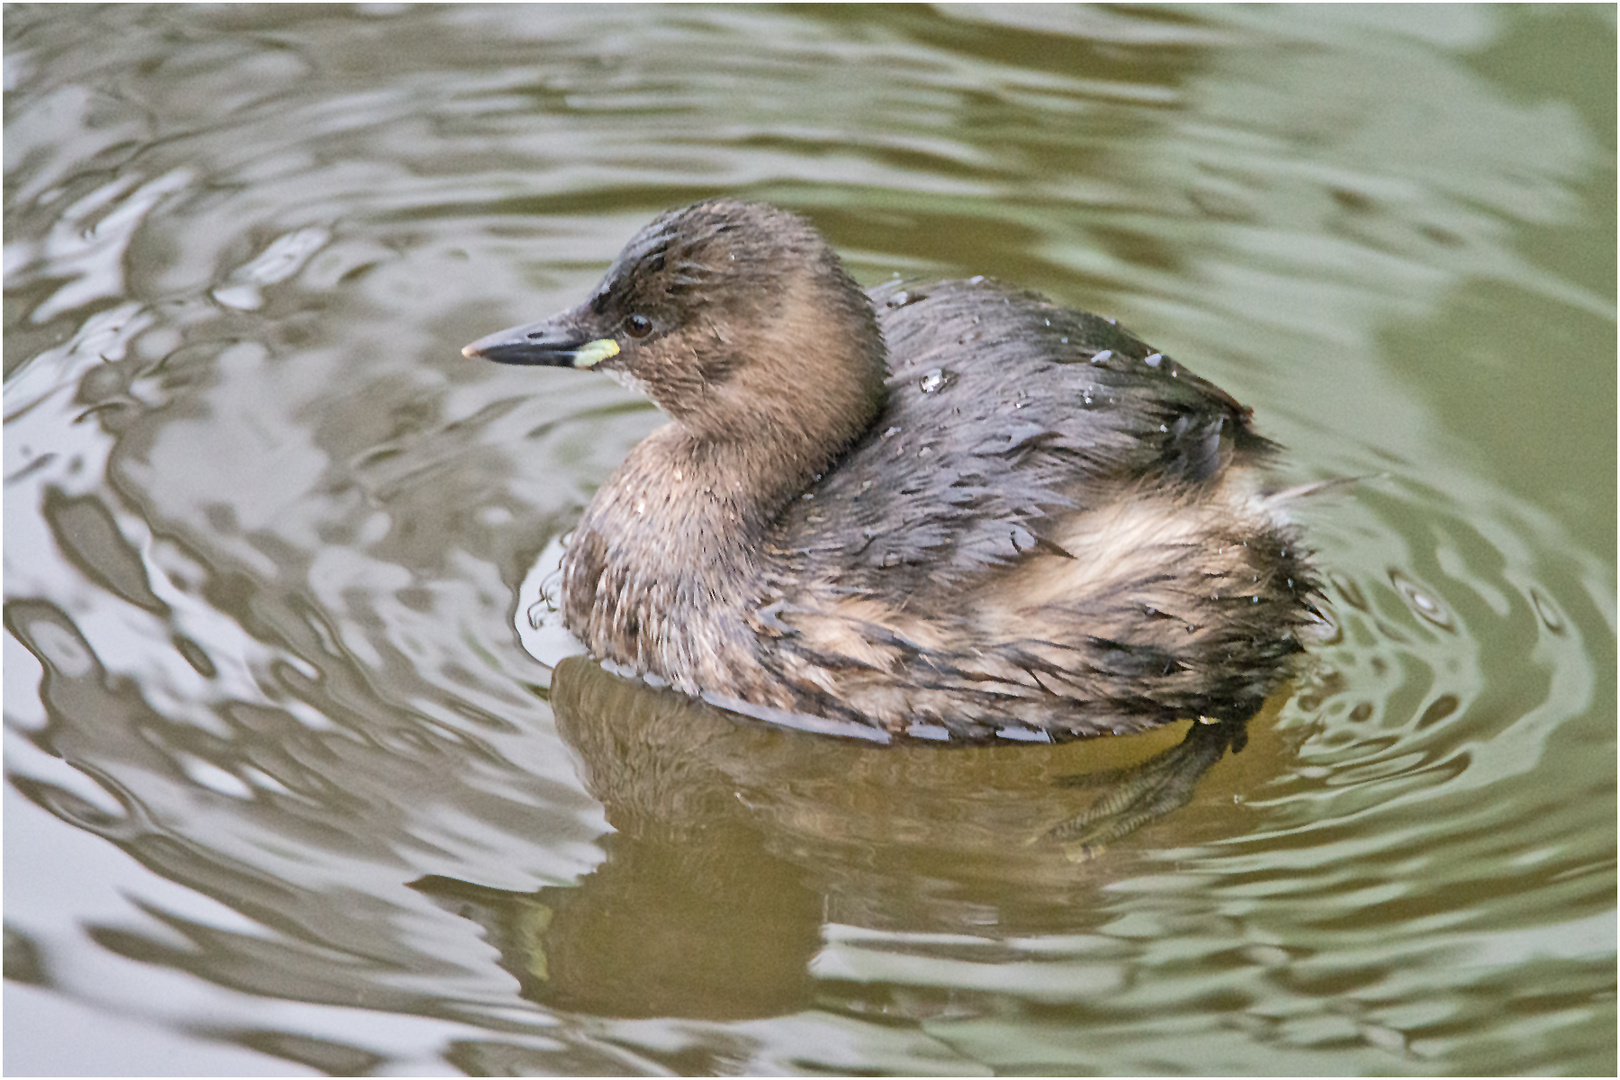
(286, 793)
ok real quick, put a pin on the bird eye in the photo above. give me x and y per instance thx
(638, 326)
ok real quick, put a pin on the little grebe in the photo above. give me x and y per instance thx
(955, 511)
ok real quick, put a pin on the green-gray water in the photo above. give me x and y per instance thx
(285, 793)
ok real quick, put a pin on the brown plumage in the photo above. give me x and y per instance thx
(1014, 519)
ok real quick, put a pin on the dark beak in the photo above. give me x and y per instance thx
(555, 342)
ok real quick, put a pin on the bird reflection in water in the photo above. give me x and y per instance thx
(735, 843)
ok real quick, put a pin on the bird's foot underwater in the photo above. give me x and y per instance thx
(1136, 796)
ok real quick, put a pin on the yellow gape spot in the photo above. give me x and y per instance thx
(594, 352)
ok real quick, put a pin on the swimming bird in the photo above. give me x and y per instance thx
(953, 511)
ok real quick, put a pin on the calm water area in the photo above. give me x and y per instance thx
(286, 793)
